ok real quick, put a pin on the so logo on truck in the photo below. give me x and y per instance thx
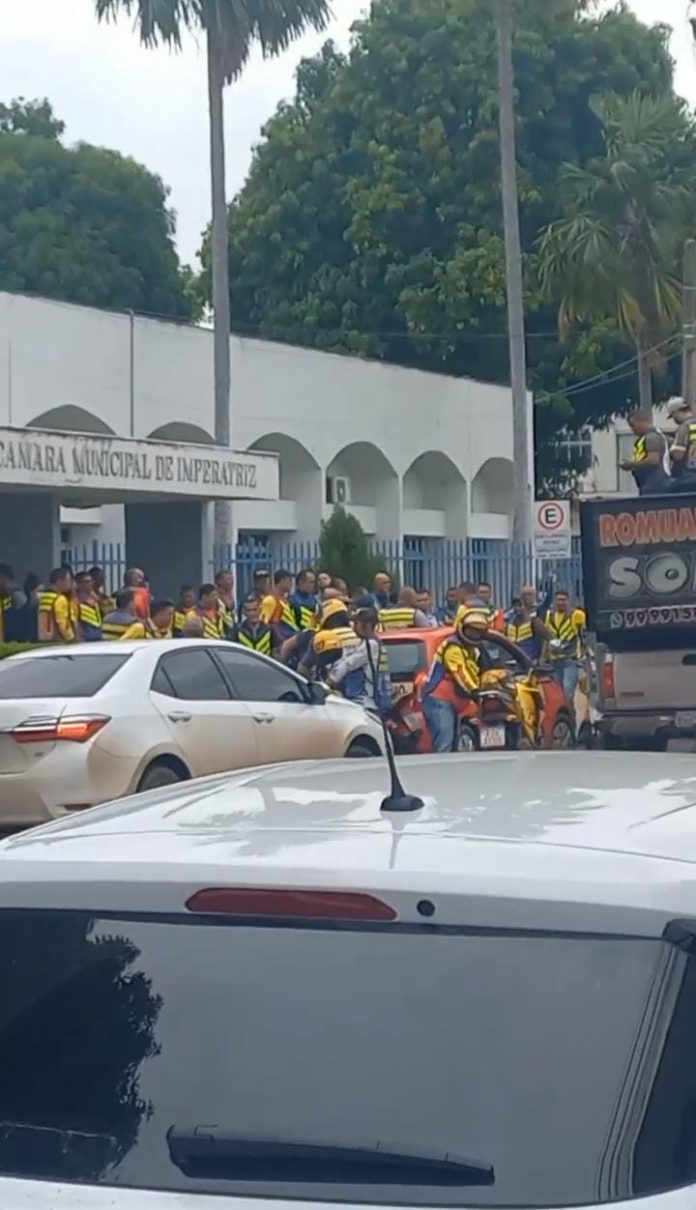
(639, 563)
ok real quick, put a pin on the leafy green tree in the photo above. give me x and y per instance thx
(231, 29)
(615, 252)
(345, 550)
(371, 220)
(83, 224)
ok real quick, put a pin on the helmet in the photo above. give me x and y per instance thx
(330, 609)
(470, 618)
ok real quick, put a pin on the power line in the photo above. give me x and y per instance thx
(607, 377)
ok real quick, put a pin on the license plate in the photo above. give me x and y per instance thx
(492, 737)
(685, 718)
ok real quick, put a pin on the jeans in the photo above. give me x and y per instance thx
(566, 673)
(441, 718)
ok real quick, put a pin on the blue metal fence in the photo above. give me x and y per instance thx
(420, 562)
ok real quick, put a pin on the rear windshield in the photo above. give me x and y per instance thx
(553, 1071)
(405, 658)
(58, 675)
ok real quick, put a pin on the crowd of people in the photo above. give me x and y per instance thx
(663, 463)
(308, 621)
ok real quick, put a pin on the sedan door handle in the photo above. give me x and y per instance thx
(263, 718)
(178, 716)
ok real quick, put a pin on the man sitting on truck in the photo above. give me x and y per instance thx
(647, 464)
(683, 450)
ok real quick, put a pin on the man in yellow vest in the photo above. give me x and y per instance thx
(647, 462)
(566, 628)
(159, 625)
(251, 632)
(58, 615)
(683, 449)
(276, 608)
(209, 613)
(405, 615)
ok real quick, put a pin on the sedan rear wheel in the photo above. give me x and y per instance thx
(360, 748)
(158, 775)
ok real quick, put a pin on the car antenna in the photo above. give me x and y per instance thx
(397, 798)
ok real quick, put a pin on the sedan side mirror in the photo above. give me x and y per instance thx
(318, 693)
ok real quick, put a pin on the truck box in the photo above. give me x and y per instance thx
(639, 569)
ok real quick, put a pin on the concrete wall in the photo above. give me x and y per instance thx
(406, 439)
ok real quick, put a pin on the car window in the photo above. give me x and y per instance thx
(566, 1063)
(405, 657)
(60, 675)
(190, 675)
(255, 680)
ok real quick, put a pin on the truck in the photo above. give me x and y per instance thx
(639, 573)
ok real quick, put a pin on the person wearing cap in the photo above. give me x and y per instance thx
(647, 462)
(454, 677)
(362, 672)
(682, 452)
(333, 636)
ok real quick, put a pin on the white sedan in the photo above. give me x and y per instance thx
(92, 722)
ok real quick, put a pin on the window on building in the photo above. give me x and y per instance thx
(575, 449)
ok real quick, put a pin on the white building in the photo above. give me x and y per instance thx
(412, 454)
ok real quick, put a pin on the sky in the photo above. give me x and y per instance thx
(152, 104)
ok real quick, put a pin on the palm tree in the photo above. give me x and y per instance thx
(614, 254)
(522, 488)
(231, 28)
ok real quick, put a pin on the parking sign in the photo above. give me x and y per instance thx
(552, 533)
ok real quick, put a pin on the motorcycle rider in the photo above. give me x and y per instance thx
(454, 677)
(333, 636)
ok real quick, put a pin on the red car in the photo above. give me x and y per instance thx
(410, 654)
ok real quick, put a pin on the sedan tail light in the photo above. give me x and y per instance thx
(77, 728)
(300, 905)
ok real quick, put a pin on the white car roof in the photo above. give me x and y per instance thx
(120, 647)
(571, 834)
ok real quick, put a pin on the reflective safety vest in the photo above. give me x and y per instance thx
(567, 629)
(10, 624)
(213, 628)
(227, 618)
(256, 638)
(640, 451)
(691, 448)
(180, 620)
(328, 645)
(116, 624)
(51, 604)
(151, 631)
(522, 633)
(304, 608)
(397, 617)
(90, 619)
(440, 681)
(358, 684)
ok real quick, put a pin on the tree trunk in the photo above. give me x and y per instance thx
(645, 392)
(220, 264)
(522, 448)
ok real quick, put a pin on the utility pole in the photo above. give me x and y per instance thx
(522, 470)
(689, 324)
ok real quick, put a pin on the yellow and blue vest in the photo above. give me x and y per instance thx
(397, 617)
(90, 621)
(567, 629)
(256, 638)
(522, 634)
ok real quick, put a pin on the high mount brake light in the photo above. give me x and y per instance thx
(298, 905)
(76, 728)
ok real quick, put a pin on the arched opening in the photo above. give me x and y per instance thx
(434, 493)
(300, 487)
(364, 477)
(491, 490)
(71, 419)
(178, 430)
